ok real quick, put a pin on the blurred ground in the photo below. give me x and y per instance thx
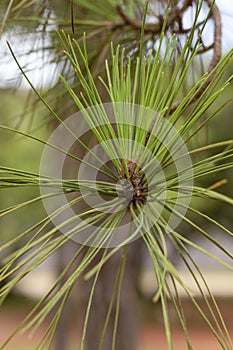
(150, 337)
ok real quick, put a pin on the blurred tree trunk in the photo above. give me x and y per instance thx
(128, 322)
(68, 318)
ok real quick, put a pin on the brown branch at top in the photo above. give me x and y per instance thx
(174, 16)
(217, 52)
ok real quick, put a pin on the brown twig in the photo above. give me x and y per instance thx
(187, 30)
(5, 17)
(217, 35)
(205, 49)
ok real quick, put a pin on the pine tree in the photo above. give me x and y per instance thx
(132, 99)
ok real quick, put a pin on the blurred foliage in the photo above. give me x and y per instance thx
(21, 152)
